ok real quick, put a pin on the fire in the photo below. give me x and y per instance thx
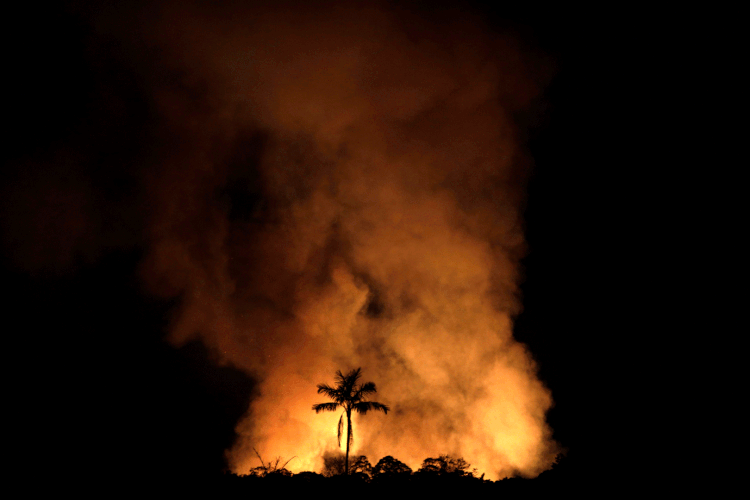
(376, 223)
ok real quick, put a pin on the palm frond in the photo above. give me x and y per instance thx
(364, 406)
(346, 382)
(368, 388)
(329, 391)
(364, 390)
(325, 407)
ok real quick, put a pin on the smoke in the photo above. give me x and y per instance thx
(342, 187)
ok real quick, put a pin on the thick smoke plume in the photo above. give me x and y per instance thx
(338, 188)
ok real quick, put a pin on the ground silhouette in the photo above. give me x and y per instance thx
(441, 476)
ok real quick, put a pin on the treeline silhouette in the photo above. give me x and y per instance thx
(439, 476)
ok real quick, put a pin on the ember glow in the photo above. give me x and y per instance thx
(342, 187)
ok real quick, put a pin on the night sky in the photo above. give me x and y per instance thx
(95, 388)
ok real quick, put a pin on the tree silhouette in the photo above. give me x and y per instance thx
(349, 396)
(389, 466)
(446, 464)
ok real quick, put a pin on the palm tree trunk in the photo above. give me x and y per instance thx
(348, 438)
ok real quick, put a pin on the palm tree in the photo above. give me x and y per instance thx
(349, 396)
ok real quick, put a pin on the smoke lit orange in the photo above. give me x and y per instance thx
(377, 224)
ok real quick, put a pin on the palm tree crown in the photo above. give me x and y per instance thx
(349, 396)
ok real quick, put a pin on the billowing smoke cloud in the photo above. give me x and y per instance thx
(339, 188)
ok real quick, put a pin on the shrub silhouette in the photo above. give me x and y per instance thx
(445, 464)
(266, 469)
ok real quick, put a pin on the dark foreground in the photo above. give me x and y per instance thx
(434, 484)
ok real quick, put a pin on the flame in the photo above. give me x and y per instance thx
(382, 226)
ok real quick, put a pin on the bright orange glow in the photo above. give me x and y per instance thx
(389, 237)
